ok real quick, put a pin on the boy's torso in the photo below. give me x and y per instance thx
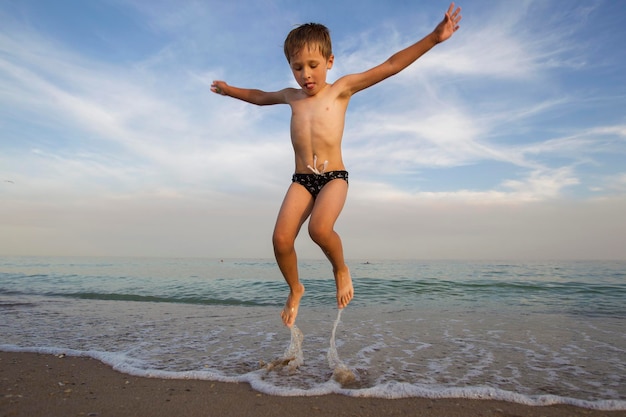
(317, 124)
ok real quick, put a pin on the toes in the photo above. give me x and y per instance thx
(344, 300)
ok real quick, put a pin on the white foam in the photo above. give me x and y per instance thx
(389, 390)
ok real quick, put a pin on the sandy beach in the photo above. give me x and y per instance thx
(48, 385)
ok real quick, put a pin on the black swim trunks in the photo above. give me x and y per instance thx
(315, 182)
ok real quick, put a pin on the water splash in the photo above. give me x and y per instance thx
(293, 357)
(341, 373)
(294, 351)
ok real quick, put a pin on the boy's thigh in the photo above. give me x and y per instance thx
(330, 202)
(295, 209)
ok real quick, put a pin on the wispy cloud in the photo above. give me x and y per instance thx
(140, 125)
(514, 111)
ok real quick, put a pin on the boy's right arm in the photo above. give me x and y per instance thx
(258, 97)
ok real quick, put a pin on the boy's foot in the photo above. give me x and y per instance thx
(290, 311)
(345, 290)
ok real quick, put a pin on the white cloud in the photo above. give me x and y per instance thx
(102, 155)
(540, 185)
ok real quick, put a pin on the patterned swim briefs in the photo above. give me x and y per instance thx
(315, 182)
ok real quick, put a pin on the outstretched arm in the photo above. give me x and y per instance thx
(404, 58)
(261, 98)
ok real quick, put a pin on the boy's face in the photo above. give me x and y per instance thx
(309, 68)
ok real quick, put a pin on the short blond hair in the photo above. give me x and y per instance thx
(309, 34)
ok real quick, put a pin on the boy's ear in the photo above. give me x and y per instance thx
(329, 63)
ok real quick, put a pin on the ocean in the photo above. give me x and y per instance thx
(535, 333)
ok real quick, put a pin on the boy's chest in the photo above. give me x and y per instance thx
(317, 110)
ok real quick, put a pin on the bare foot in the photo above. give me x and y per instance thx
(345, 290)
(290, 311)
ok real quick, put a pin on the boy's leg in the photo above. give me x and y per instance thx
(328, 206)
(293, 213)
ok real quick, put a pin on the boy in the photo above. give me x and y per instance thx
(320, 183)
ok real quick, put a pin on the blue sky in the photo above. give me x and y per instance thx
(506, 142)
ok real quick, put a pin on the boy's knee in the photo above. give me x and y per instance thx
(319, 234)
(282, 242)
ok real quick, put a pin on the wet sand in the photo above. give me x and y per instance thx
(47, 385)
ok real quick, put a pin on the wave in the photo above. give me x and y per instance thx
(582, 297)
(157, 299)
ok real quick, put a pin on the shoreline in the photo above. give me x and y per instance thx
(42, 384)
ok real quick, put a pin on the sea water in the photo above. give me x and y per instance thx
(533, 333)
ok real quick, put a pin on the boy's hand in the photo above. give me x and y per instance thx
(449, 24)
(219, 87)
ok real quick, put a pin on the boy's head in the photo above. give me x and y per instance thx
(311, 35)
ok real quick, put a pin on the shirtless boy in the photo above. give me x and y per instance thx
(320, 183)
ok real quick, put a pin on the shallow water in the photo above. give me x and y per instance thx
(534, 333)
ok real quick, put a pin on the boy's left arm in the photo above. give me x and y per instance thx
(404, 58)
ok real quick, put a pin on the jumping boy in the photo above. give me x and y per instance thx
(320, 183)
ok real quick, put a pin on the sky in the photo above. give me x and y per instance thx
(507, 142)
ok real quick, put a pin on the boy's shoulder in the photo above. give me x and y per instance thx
(291, 93)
